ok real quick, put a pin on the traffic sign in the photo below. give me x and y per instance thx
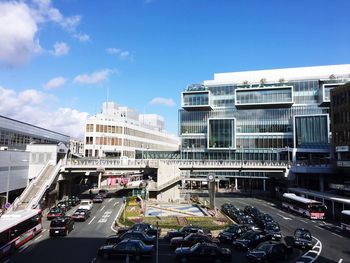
(7, 205)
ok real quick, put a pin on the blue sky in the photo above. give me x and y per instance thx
(58, 58)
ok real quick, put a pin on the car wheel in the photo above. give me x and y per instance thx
(183, 260)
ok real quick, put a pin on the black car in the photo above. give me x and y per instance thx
(103, 193)
(61, 226)
(203, 252)
(65, 205)
(232, 233)
(81, 214)
(246, 220)
(192, 239)
(303, 238)
(184, 231)
(270, 251)
(264, 219)
(249, 239)
(133, 248)
(144, 227)
(252, 211)
(135, 235)
(272, 231)
(55, 212)
(74, 200)
(97, 199)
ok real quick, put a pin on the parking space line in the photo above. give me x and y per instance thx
(109, 200)
(319, 227)
(102, 208)
(38, 238)
(336, 235)
(92, 220)
(340, 260)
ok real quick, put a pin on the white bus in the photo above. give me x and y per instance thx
(304, 206)
(345, 220)
(17, 228)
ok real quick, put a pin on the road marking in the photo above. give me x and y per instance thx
(302, 220)
(7, 261)
(92, 220)
(23, 248)
(340, 260)
(285, 218)
(336, 235)
(109, 200)
(116, 217)
(43, 230)
(319, 227)
(116, 203)
(93, 260)
(38, 238)
(102, 208)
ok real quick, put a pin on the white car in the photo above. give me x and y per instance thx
(86, 204)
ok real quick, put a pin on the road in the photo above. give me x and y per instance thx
(82, 243)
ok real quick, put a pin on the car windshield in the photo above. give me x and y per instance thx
(248, 235)
(273, 227)
(57, 223)
(80, 212)
(264, 247)
(194, 247)
(55, 210)
(84, 203)
(303, 234)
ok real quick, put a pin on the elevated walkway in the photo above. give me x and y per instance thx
(34, 192)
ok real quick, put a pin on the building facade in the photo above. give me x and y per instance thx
(15, 135)
(340, 112)
(265, 115)
(121, 131)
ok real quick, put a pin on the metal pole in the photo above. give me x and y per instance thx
(157, 243)
(8, 181)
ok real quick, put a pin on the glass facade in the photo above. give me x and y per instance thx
(195, 99)
(259, 133)
(264, 96)
(221, 133)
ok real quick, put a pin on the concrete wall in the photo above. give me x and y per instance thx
(167, 172)
(13, 165)
(40, 154)
(169, 194)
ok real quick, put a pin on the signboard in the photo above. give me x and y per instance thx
(7, 205)
(342, 148)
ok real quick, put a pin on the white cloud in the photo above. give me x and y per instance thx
(82, 37)
(121, 54)
(96, 77)
(162, 101)
(31, 106)
(20, 22)
(18, 29)
(44, 11)
(55, 83)
(60, 49)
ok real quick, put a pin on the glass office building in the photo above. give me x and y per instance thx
(279, 114)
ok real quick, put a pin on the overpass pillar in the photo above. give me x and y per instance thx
(264, 185)
(236, 184)
(99, 180)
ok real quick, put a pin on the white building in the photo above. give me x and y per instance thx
(120, 131)
(76, 147)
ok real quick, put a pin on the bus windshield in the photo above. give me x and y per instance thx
(318, 208)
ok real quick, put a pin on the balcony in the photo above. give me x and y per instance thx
(324, 97)
(196, 100)
(266, 97)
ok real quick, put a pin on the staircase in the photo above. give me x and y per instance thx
(34, 192)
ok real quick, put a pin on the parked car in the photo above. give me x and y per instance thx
(97, 199)
(272, 231)
(203, 252)
(133, 248)
(270, 251)
(252, 211)
(246, 220)
(249, 239)
(81, 214)
(55, 212)
(103, 193)
(61, 226)
(264, 219)
(303, 238)
(144, 227)
(191, 239)
(135, 235)
(64, 204)
(184, 231)
(232, 233)
(86, 204)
